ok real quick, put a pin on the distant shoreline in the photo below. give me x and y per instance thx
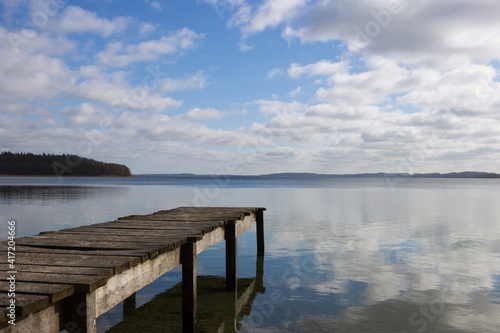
(464, 174)
(452, 175)
(67, 176)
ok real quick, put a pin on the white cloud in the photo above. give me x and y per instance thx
(245, 46)
(85, 114)
(120, 94)
(197, 81)
(295, 92)
(422, 32)
(374, 138)
(269, 14)
(323, 67)
(118, 55)
(154, 4)
(74, 19)
(146, 28)
(252, 19)
(27, 74)
(275, 72)
(202, 114)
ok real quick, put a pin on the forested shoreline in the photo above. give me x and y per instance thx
(28, 164)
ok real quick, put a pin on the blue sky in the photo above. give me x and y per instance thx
(251, 87)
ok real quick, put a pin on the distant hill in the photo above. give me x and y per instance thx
(29, 164)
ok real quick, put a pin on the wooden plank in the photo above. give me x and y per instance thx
(174, 218)
(245, 223)
(55, 292)
(25, 304)
(106, 272)
(48, 320)
(127, 231)
(174, 224)
(144, 254)
(89, 244)
(201, 229)
(140, 234)
(209, 211)
(125, 284)
(212, 210)
(187, 217)
(66, 235)
(82, 283)
(156, 223)
(119, 264)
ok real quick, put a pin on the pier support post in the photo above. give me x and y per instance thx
(260, 232)
(189, 288)
(231, 237)
(81, 313)
(129, 305)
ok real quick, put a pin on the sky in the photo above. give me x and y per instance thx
(254, 87)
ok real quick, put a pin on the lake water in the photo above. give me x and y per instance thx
(346, 255)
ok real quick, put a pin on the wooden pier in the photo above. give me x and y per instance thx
(65, 279)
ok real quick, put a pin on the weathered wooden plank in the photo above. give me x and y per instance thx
(25, 304)
(144, 254)
(106, 272)
(216, 208)
(175, 219)
(82, 283)
(125, 284)
(89, 244)
(48, 320)
(127, 231)
(245, 223)
(199, 216)
(105, 236)
(211, 211)
(119, 264)
(140, 234)
(210, 239)
(55, 292)
(173, 224)
(114, 225)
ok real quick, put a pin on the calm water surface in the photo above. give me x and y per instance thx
(350, 255)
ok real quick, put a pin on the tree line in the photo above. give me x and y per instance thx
(57, 165)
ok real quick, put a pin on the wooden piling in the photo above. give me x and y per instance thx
(260, 232)
(129, 305)
(189, 287)
(231, 257)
